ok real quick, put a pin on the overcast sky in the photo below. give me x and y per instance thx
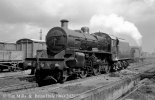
(133, 20)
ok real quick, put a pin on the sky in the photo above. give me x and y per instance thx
(132, 20)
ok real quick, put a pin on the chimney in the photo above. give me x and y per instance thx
(64, 23)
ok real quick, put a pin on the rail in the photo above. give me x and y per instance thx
(17, 87)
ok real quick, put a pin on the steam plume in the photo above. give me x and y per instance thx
(118, 25)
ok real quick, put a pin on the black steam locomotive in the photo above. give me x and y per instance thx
(79, 53)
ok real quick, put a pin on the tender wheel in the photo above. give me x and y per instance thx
(118, 65)
(123, 64)
(126, 64)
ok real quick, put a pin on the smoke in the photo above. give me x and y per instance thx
(118, 25)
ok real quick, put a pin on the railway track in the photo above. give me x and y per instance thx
(16, 81)
(71, 82)
(17, 87)
(139, 85)
(143, 91)
(58, 88)
(12, 74)
(29, 86)
(22, 86)
(67, 83)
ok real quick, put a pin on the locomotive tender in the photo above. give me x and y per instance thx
(77, 52)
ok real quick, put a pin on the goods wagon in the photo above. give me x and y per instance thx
(7, 46)
(30, 46)
(10, 59)
(13, 55)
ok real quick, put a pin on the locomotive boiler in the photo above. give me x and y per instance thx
(77, 53)
(61, 38)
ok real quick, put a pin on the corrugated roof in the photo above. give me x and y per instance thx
(33, 40)
(7, 42)
(37, 40)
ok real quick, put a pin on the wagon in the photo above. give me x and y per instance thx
(12, 55)
(10, 60)
(29, 48)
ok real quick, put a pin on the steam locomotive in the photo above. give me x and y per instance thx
(79, 53)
